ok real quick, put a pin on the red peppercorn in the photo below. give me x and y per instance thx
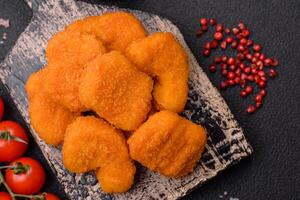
(238, 72)
(231, 61)
(254, 71)
(206, 52)
(239, 36)
(203, 21)
(224, 72)
(275, 62)
(258, 104)
(245, 33)
(243, 41)
(230, 82)
(227, 30)
(251, 109)
(212, 21)
(249, 56)
(224, 58)
(242, 65)
(223, 85)
(219, 27)
(223, 45)
(241, 48)
(263, 78)
(232, 67)
(260, 64)
(249, 42)
(234, 44)
(248, 89)
(247, 70)
(212, 68)
(235, 31)
(243, 93)
(231, 75)
(241, 26)
(258, 98)
(217, 59)
(223, 66)
(240, 56)
(256, 47)
(263, 92)
(218, 36)
(246, 51)
(237, 80)
(262, 57)
(261, 73)
(272, 73)
(204, 28)
(256, 79)
(214, 44)
(250, 77)
(268, 61)
(229, 39)
(261, 84)
(207, 45)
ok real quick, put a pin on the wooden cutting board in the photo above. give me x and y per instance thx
(226, 142)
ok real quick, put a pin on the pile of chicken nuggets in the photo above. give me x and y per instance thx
(111, 95)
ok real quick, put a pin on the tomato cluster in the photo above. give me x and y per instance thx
(24, 176)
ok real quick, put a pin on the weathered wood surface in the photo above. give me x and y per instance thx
(226, 143)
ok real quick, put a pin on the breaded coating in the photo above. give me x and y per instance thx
(67, 53)
(168, 144)
(92, 144)
(116, 29)
(116, 90)
(49, 119)
(75, 47)
(162, 57)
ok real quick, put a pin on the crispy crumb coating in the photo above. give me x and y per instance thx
(92, 144)
(168, 144)
(116, 90)
(162, 57)
(116, 29)
(49, 119)
(67, 54)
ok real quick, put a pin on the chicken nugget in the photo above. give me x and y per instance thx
(116, 90)
(75, 47)
(168, 144)
(92, 144)
(49, 119)
(162, 57)
(67, 54)
(116, 29)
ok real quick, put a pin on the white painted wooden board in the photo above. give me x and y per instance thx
(226, 142)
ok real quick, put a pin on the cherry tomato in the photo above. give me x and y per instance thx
(27, 178)
(1, 109)
(5, 196)
(13, 141)
(50, 196)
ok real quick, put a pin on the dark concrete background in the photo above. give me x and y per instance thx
(273, 171)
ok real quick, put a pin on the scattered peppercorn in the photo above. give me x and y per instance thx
(247, 66)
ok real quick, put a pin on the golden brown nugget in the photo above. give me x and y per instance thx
(168, 144)
(162, 57)
(116, 90)
(67, 54)
(75, 47)
(116, 29)
(92, 144)
(49, 119)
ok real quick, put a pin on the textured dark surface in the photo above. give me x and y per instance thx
(273, 171)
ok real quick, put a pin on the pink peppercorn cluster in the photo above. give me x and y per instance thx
(249, 65)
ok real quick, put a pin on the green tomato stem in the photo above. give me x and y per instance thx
(2, 180)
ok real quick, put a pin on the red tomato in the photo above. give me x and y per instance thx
(5, 196)
(50, 196)
(30, 178)
(10, 149)
(1, 109)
